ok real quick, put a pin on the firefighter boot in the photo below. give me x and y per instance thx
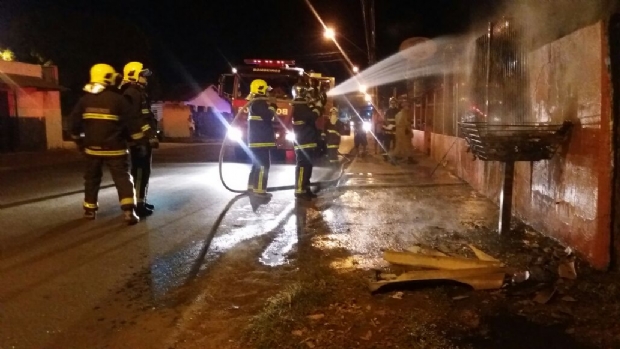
(149, 206)
(143, 211)
(90, 214)
(130, 217)
(311, 194)
(262, 196)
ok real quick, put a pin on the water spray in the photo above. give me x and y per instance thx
(410, 63)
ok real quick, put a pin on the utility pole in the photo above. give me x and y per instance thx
(373, 37)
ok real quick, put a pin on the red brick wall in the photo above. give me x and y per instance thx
(569, 196)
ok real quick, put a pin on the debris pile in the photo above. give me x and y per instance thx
(425, 264)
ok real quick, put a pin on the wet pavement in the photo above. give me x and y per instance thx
(64, 280)
(196, 273)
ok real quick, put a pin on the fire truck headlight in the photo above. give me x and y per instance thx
(234, 134)
(290, 136)
(366, 126)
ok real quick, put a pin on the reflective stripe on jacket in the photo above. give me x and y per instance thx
(390, 120)
(105, 120)
(304, 125)
(260, 124)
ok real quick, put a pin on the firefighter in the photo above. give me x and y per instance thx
(261, 138)
(332, 136)
(404, 147)
(134, 89)
(305, 115)
(389, 126)
(104, 117)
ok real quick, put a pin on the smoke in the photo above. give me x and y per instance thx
(549, 20)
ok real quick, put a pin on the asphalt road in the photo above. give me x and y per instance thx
(62, 277)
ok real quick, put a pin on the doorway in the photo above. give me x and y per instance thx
(7, 125)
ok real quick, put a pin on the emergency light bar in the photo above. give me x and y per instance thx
(269, 62)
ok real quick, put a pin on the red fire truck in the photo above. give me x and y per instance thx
(280, 75)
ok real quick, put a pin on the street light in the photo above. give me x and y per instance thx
(329, 33)
(356, 69)
(363, 88)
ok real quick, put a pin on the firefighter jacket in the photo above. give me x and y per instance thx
(390, 121)
(106, 120)
(332, 134)
(260, 124)
(141, 108)
(304, 124)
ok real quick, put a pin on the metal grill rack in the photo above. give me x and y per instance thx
(522, 142)
(511, 143)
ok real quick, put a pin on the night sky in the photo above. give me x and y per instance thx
(195, 41)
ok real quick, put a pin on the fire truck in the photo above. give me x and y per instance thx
(280, 75)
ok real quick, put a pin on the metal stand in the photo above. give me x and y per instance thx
(510, 143)
(505, 198)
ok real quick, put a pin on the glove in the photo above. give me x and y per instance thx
(154, 143)
(142, 150)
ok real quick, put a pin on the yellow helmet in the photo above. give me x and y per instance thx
(135, 72)
(103, 74)
(259, 87)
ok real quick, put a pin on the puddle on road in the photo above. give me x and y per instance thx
(225, 242)
(276, 253)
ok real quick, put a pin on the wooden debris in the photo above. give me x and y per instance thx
(436, 262)
(568, 299)
(458, 298)
(566, 269)
(484, 282)
(426, 251)
(545, 295)
(385, 276)
(316, 316)
(482, 255)
(477, 278)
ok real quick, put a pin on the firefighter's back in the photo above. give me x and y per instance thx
(104, 122)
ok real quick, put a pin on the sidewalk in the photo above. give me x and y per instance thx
(322, 298)
(27, 160)
(24, 160)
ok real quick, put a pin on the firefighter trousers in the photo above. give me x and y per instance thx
(389, 142)
(303, 170)
(119, 170)
(141, 171)
(259, 174)
(332, 155)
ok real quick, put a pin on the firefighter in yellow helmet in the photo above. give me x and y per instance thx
(261, 139)
(332, 136)
(104, 118)
(134, 89)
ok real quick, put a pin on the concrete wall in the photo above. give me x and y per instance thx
(569, 196)
(40, 117)
(18, 68)
(174, 120)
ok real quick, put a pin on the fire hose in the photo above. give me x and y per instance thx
(319, 184)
